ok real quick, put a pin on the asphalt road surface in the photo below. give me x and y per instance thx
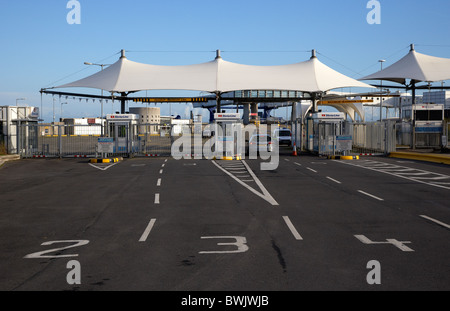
(160, 224)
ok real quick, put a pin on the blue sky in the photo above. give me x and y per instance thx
(40, 49)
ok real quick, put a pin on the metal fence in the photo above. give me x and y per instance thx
(146, 140)
(409, 137)
(404, 134)
(347, 138)
(39, 140)
(375, 137)
(35, 140)
(127, 140)
(446, 140)
(328, 138)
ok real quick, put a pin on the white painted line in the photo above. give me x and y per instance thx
(261, 186)
(163, 165)
(265, 195)
(382, 168)
(433, 178)
(336, 181)
(297, 164)
(103, 168)
(161, 171)
(147, 230)
(292, 228)
(287, 160)
(232, 166)
(165, 160)
(411, 174)
(156, 198)
(436, 221)
(308, 168)
(398, 175)
(382, 165)
(370, 195)
(402, 169)
(159, 182)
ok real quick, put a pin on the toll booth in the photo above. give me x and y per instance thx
(326, 133)
(427, 125)
(123, 128)
(228, 135)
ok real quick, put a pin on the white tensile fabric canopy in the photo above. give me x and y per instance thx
(217, 76)
(415, 66)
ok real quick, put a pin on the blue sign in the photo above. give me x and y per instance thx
(428, 129)
(344, 137)
(344, 143)
(105, 140)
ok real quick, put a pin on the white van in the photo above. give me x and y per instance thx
(283, 136)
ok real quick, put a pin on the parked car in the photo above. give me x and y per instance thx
(283, 136)
(258, 143)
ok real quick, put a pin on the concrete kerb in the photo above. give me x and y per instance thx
(426, 157)
(7, 158)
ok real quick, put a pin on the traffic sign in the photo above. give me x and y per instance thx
(105, 145)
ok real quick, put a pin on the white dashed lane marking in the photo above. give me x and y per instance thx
(370, 195)
(334, 180)
(292, 228)
(147, 231)
(436, 221)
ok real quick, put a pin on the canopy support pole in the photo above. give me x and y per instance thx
(218, 106)
(413, 87)
(122, 102)
(314, 102)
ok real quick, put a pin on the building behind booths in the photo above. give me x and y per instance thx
(439, 98)
(83, 126)
(149, 119)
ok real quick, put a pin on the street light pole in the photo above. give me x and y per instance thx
(53, 111)
(101, 100)
(62, 109)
